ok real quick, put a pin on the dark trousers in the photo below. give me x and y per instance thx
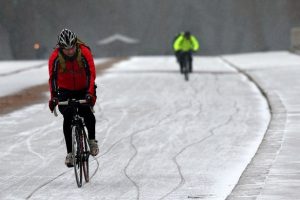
(180, 59)
(84, 111)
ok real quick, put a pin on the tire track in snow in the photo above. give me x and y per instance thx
(174, 159)
(135, 149)
(45, 184)
(97, 168)
(107, 132)
(126, 137)
(182, 179)
(212, 133)
(28, 141)
(189, 105)
(124, 114)
(43, 158)
(58, 176)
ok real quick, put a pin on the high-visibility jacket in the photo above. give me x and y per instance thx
(183, 44)
(75, 74)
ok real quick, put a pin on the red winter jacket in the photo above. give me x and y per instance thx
(73, 77)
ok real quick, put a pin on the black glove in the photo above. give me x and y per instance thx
(52, 103)
(90, 99)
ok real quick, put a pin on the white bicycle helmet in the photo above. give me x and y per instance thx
(66, 39)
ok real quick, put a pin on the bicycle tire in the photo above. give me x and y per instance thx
(186, 67)
(186, 75)
(85, 160)
(77, 155)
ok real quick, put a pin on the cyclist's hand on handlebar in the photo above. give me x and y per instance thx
(52, 103)
(90, 99)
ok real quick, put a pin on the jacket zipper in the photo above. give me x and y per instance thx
(74, 82)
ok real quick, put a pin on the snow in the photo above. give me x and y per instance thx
(267, 60)
(18, 75)
(275, 170)
(160, 137)
(8, 67)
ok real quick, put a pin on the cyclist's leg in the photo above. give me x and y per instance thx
(190, 62)
(89, 120)
(67, 114)
(64, 95)
(181, 60)
(67, 133)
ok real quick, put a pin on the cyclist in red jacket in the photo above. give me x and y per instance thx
(72, 75)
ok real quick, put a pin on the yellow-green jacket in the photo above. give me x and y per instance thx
(183, 44)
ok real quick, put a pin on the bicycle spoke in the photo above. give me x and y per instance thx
(80, 147)
(77, 156)
(85, 158)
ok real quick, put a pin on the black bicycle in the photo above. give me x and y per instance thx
(80, 146)
(186, 64)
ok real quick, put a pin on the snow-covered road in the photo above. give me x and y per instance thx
(274, 172)
(160, 137)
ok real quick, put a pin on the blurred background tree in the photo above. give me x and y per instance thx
(223, 27)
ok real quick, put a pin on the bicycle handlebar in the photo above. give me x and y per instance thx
(65, 103)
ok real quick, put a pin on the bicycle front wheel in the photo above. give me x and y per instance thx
(77, 154)
(186, 75)
(85, 159)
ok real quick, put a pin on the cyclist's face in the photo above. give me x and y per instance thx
(70, 52)
(187, 37)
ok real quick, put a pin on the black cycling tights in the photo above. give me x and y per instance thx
(89, 120)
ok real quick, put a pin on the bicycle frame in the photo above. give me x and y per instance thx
(185, 59)
(80, 147)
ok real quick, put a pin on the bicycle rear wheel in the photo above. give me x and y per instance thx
(85, 159)
(77, 154)
(186, 67)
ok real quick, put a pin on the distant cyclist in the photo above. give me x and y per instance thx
(72, 76)
(185, 43)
